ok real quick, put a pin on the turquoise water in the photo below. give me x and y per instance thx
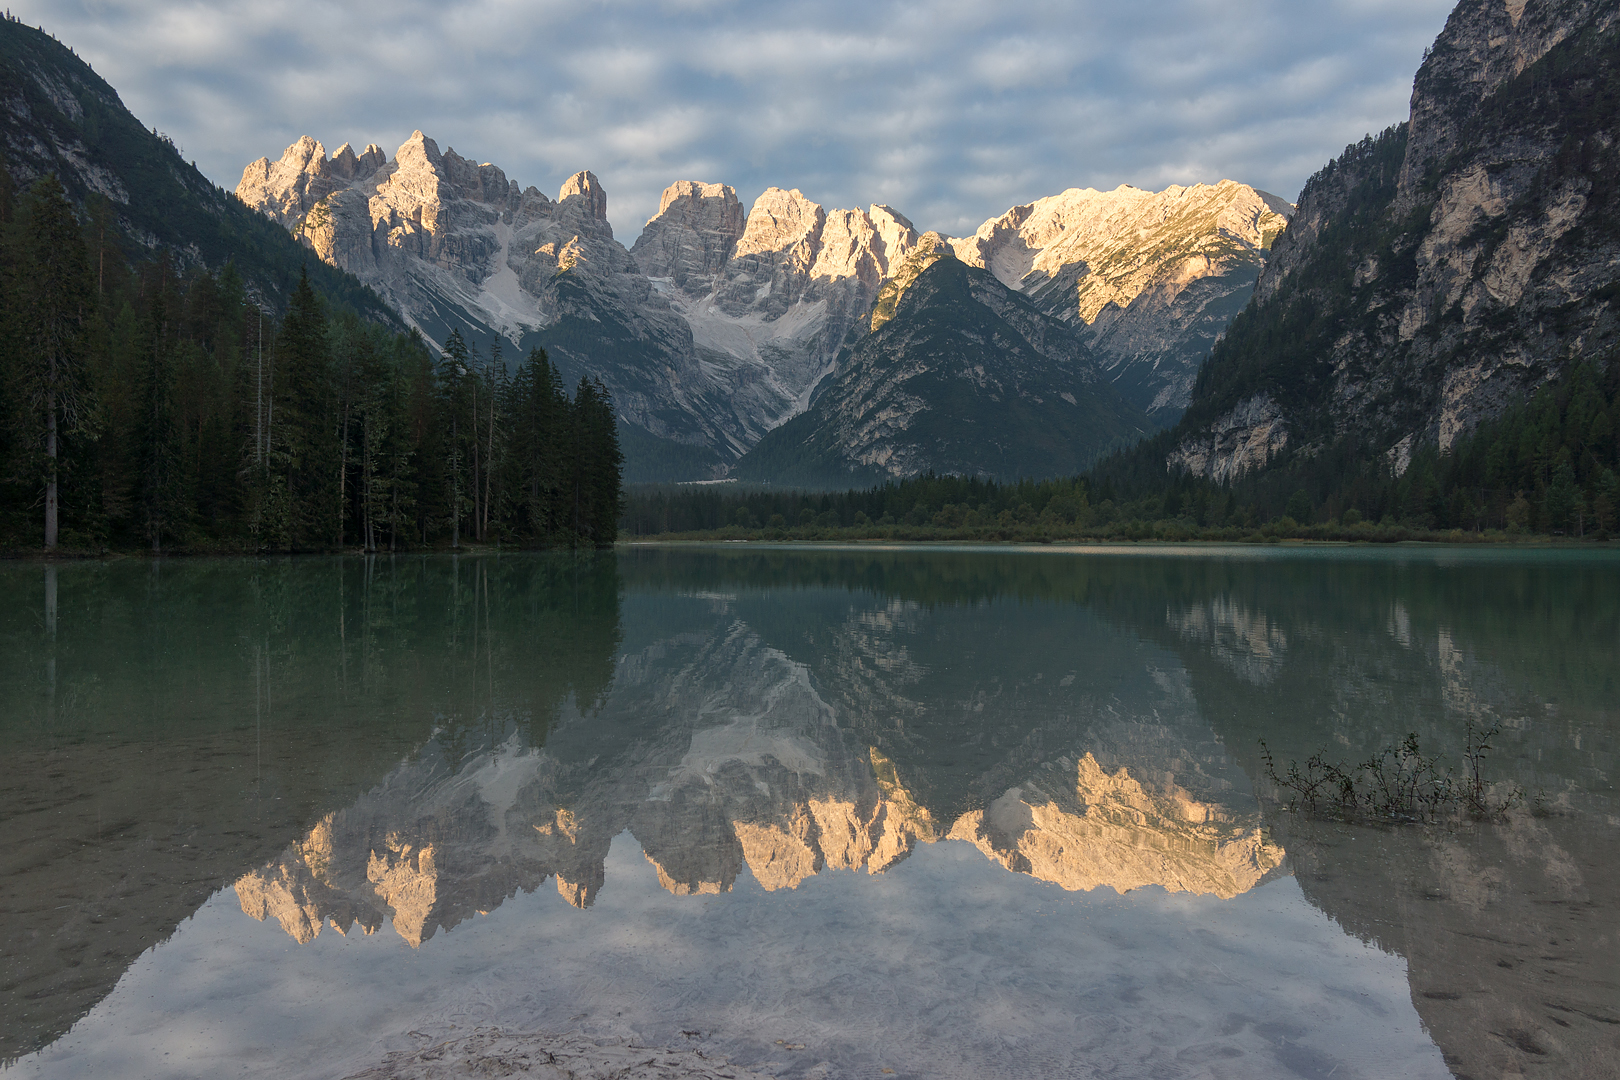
(945, 811)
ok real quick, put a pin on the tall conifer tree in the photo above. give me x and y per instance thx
(57, 300)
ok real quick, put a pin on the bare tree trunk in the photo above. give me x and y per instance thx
(478, 506)
(343, 475)
(489, 458)
(51, 509)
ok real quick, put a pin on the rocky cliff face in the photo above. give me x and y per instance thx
(1443, 271)
(1149, 278)
(965, 376)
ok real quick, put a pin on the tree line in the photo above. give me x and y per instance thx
(150, 404)
(1549, 466)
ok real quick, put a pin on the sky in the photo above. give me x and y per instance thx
(950, 111)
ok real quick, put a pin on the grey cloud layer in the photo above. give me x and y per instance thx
(952, 111)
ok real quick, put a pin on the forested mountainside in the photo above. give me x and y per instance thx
(1433, 279)
(960, 375)
(148, 407)
(58, 117)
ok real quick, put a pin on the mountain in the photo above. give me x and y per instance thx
(456, 246)
(1151, 279)
(960, 374)
(710, 333)
(58, 116)
(716, 325)
(1438, 274)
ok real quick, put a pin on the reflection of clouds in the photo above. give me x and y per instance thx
(1245, 641)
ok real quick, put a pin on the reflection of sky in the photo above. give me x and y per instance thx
(946, 966)
(950, 111)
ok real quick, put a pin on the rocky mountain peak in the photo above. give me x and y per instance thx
(896, 231)
(587, 187)
(785, 224)
(692, 236)
(957, 364)
(1484, 44)
(1449, 266)
(928, 249)
(351, 166)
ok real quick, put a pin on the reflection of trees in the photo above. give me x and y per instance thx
(207, 711)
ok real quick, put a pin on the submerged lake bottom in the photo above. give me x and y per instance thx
(815, 812)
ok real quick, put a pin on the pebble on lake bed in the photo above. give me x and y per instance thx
(493, 1054)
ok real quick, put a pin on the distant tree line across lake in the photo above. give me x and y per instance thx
(1550, 467)
(151, 406)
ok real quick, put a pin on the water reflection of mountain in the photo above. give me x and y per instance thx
(1509, 929)
(169, 726)
(718, 752)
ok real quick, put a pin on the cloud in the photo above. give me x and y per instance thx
(951, 110)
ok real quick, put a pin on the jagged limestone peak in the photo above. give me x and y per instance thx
(585, 185)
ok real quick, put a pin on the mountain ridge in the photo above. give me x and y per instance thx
(716, 326)
(960, 374)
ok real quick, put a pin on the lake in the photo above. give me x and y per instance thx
(825, 812)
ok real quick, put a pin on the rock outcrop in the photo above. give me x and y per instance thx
(1243, 440)
(1443, 271)
(1150, 278)
(692, 236)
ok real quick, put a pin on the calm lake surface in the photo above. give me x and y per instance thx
(828, 812)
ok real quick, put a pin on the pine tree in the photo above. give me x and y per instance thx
(57, 299)
(597, 465)
(156, 436)
(455, 374)
(538, 412)
(304, 426)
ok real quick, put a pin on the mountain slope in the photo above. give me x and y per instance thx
(58, 116)
(1150, 279)
(962, 375)
(1440, 273)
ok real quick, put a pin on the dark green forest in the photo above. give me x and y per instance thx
(149, 404)
(1550, 466)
